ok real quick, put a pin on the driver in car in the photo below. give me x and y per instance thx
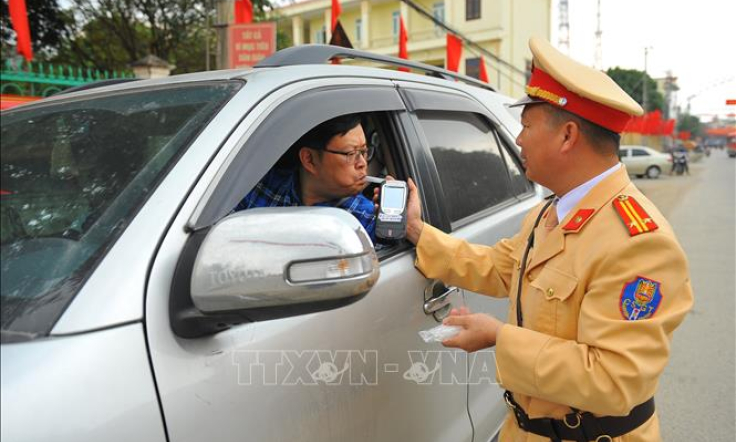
(331, 171)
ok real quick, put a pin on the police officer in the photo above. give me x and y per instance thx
(596, 279)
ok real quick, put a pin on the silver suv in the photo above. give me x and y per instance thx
(136, 306)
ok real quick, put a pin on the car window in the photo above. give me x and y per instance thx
(468, 160)
(520, 184)
(640, 152)
(74, 173)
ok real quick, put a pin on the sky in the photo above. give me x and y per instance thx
(696, 41)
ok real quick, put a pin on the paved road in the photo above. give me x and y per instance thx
(697, 395)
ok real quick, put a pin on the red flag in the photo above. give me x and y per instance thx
(403, 53)
(634, 126)
(483, 74)
(454, 52)
(243, 12)
(336, 10)
(648, 124)
(669, 127)
(652, 122)
(19, 19)
(640, 124)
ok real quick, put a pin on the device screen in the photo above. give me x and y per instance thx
(393, 198)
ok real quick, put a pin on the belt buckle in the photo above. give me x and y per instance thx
(576, 424)
(508, 403)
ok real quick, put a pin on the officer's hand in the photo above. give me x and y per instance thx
(479, 331)
(414, 224)
(462, 311)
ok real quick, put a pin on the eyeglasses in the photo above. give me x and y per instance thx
(352, 156)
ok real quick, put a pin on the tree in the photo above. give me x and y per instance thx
(46, 21)
(112, 34)
(632, 81)
(690, 123)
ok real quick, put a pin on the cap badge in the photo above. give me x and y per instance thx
(562, 101)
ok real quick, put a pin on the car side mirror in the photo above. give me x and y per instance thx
(270, 263)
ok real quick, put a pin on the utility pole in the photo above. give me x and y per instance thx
(208, 9)
(223, 15)
(563, 43)
(598, 41)
(644, 100)
(669, 89)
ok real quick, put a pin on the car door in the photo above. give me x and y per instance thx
(640, 159)
(625, 156)
(255, 381)
(483, 196)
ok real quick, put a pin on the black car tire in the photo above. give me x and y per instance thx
(653, 172)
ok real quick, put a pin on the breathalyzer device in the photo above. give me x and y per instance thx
(391, 220)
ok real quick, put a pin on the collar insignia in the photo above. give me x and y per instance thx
(578, 220)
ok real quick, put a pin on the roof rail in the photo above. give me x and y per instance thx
(96, 84)
(322, 54)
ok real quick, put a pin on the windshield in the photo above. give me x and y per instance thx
(74, 174)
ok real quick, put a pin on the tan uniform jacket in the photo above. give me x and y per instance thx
(577, 348)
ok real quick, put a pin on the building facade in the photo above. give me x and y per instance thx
(501, 27)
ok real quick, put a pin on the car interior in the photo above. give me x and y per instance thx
(379, 133)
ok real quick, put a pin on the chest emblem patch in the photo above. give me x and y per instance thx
(640, 299)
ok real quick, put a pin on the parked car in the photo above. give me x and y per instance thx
(135, 306)
(643, 161)
(731, 145)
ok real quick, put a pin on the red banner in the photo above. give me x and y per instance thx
(251, 43)
(454, 52)
(684, 135)
(403, 38)
(19, 19)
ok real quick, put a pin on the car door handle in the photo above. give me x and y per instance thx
(440, 301)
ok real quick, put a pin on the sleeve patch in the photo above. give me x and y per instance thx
(636, 220)
(640, 299)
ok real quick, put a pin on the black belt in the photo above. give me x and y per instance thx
(582, 426)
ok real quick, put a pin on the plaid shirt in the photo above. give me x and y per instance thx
(278, 189)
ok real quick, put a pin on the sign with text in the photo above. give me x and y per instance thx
(251, 43)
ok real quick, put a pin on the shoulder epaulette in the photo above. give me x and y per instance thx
(636, 220)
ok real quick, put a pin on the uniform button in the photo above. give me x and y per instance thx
(550, 292)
